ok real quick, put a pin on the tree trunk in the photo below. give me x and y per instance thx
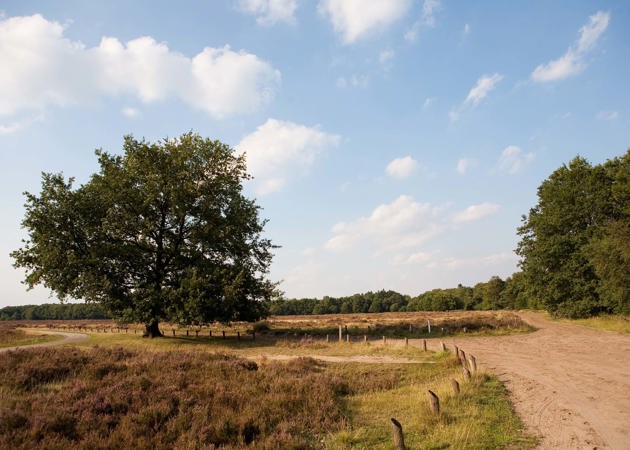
(152, 330)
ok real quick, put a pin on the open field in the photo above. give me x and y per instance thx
(118, 390)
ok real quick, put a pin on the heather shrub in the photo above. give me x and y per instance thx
(112, 398)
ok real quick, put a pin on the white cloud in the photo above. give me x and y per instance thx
(130, 112)
(466, 31)
(279, 149)
(428, 102)
(356, 19)
(476, 212)
(572, 62)
(465, 164)
(429, 8)
(270, 12)
(402, 167)
(608, 115)
(512, 159)
(41, 67)
(404, 223)
(467, 263)
(485, 84)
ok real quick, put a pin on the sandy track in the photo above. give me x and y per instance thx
(568, 383)
(68, 338)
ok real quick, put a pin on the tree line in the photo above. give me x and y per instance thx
(55, 311)
(496, 293)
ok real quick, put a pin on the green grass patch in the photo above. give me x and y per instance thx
(618, 323)
(480, 417)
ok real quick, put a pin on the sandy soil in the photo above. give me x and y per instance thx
(570, 384)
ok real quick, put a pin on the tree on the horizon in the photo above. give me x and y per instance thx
(162, 232)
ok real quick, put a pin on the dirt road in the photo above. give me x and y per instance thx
(68, 338)
(570, 384)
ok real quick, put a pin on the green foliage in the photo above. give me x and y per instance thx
(55, 311)
(493, 294)
(574, 242)
(161, 232)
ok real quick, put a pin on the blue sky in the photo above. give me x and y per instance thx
(395, 144)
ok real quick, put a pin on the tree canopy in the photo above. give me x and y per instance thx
(575, 243)
(161, 232)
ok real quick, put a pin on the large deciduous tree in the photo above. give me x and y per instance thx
(574, 248)
(162, 232)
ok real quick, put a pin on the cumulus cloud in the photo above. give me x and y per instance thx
(512, 159)
(41, 67)
(356, 19)
(464, 165)
(572, 62)
(270, 12)
(402, 167)
(485, 84)
(401, 224)
(476, 212)
(278, 149)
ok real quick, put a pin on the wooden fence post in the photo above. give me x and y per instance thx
(238, 335)
(424, 345)
(462, 358)
(434, 402)
(209, 333)
(327, 338)
(473, 363)
(347, 337)
(384, 340)
(223, 333)
(397, 434)
(406, 342)
(466, 374)
(443, 346)
(365, 338)
(456, 351)
(340, 334)
(455, 385)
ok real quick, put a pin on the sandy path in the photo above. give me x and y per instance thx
(569, 383)
(68, 338)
